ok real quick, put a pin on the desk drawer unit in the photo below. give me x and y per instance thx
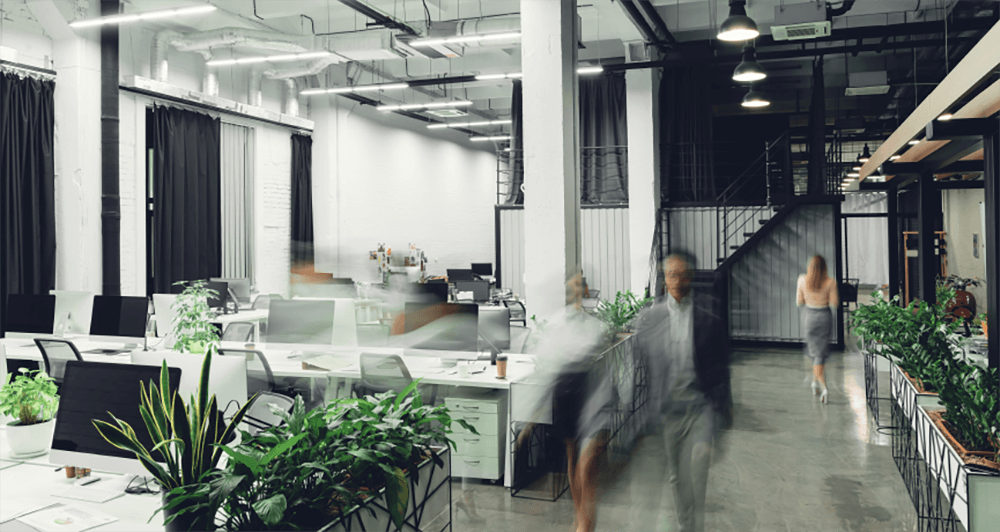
(478, 455)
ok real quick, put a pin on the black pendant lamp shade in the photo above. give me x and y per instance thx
(749, 70)
(738, 26)
(755, 99)
(865, 155)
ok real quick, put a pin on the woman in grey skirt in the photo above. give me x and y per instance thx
(818, 294)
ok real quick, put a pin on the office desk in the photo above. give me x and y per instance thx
(253, 316)
(21, 349)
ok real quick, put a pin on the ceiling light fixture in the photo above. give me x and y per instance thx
(853, 174)
(865, 155)
(268, 59)
(358, 88)
(749, 70)
(945, 117)
(149, 15)
(470, 124)
(428, 105)
(894, 157)
(738, 26)
(493, 138)
(856, 168)
(462, 39)
(487, 77)
(583, 71)
(914, 142)
(755, 99)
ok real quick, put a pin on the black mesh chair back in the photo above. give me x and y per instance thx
(517, 311)
(373, 335)
(260, 378)
(238, 331)
(259, 415)
(264, 301)
(55, 354)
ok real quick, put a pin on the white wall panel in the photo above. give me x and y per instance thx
(867, 239)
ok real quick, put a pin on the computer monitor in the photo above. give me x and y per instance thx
(483, 268)
(239, 286)
(30, 315)
(480, 289)
(345, 320)
(460, 275)
(227, 379)
(89, 391)
(428, 293)
(221, 288)
(119, 319)
(457, 326)
(76, 307)
(300, 321)
(163, 309)
(494, 325)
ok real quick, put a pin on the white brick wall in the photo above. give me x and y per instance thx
(274, 226)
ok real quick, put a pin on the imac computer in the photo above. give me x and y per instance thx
(227, 379)
(73, 311)
(300, 321)
(163, 310)
(90, 390)
(222, 294)
(480, 289)
(460, 275)
(240, 288)
(449, 327)
(345, 320)
(494, 326)
(30, 316)
(118, 319)
(484, 269)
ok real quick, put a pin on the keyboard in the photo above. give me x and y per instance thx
(90, 494)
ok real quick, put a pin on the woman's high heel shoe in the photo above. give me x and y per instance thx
(815, 387)
(823, 396)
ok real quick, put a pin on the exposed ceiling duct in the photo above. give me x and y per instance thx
(205, 40)
(311, 68)
(291, 107)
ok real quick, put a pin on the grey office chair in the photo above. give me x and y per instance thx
(264, 301)
(260, 380)
(517, 311)
(55, 354)
(238, 331)
(373, 335)
(382, 373)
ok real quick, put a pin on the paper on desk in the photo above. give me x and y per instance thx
(66, 518)
(14, 507)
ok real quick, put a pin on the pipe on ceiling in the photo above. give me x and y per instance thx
(254, 95)
(310, 68)
(486, 26)
(205, 40)
(291, 98)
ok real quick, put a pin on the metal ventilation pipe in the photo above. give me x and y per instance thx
(254, 96)
(196, 42)
(210, 84)
(308, 69)
(110, 191)
(291, 98)
(487, 26)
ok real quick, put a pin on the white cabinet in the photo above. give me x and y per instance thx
(478, 455)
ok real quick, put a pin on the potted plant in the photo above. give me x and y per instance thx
(192, 330)
(982, 323)
(618, 315)
(187, 438)
(32, 401)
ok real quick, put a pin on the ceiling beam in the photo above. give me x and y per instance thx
(633, 14)
(658, 24)
(979, 63)
(380, 18)
(958, 167)
(959, 129)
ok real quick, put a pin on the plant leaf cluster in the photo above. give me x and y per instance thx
(619, 315)
(320, 464)
(29, 399)
(191, 326)
(920, 339)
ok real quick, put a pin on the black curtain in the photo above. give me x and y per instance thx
(687, 170)
(302, 206)
(603, 140)
(27, 188)
(187, 236)
(515, 159)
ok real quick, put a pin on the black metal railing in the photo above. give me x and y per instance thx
(603, 176)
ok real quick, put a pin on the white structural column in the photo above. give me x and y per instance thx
(551, 152)
(642, 90)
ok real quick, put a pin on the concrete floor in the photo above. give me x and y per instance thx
(788, 464)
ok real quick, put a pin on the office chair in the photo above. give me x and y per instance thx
(260, 380)
(382, 373)
(238, 331)
(264, 301)
(517, 311)
(55, 354)
(373, 335)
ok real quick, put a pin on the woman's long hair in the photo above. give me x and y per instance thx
(816, 275)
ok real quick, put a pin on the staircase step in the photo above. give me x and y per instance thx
(747, 235)
(720, 260)
(734, 247)
(762, 222)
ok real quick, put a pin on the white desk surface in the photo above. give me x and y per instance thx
(22, 349)
(243, 315)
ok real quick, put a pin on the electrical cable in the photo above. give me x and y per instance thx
(255, 10)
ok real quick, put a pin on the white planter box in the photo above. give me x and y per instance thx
(906, 395)
(428, 509)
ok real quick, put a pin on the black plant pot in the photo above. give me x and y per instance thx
(199, 521)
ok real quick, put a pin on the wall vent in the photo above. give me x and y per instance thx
(797, 32)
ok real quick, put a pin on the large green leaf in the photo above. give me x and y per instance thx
(397, 497)
(272, 509)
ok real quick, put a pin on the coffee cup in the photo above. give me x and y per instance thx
(501, 366)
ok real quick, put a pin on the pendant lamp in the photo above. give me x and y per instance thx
(738, 26)
(755, 99)
(749, 70)
(865, 155)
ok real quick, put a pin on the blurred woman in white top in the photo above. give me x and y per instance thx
(817, 293)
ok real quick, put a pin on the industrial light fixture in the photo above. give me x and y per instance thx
(493, 138)
(914, 142)
(945, 117)
(894, 157)
(749, 69)
(738, 26)
(149, 15)
(268, 59)
(853, 174)
(583, 71)
(856, 168)
(462, 39)
(865, 155)
(469, 124)
(428, 105)
(755, 99)
(357, 88)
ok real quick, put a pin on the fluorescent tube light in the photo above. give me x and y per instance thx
(150, 15)
(945, 117)
(853, 174)
(488, 77)
(268, 59)
(460, 39)
(590, 70)
(358, 88)
(894, 157)
(469, 124)
(914, 142)
(494, 138)
(429, 105)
